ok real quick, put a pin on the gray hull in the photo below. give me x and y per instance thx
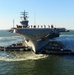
(38, 38)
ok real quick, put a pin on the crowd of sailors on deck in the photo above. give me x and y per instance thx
(35, 26)
(41, 26)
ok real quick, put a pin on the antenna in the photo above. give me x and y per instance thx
(34, 17)
(24, 22)
(13, 23)
(24, 15)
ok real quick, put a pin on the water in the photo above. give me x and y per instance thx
(7, 38)
(29, 63)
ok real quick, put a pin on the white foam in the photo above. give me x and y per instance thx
(22, 57)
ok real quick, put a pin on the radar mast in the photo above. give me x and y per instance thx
(24, 20)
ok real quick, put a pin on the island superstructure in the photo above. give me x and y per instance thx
(37, 36)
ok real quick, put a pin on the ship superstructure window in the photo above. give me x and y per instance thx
(48, 26)
(31, 26)
(52, 26)
(44, 26)
(38, 26)
(34, 26)
(41, 26)
(19, 26)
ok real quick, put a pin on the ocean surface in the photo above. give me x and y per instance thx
(29, 63)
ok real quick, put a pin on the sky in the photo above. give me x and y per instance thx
(60, 13)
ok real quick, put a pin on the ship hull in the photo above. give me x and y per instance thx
(37, 45)
(37, 38)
